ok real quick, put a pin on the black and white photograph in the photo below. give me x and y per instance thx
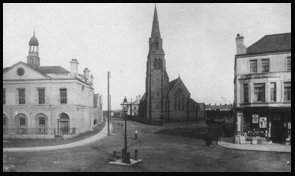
(146, 87)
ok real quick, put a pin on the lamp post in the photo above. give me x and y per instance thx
(124, 106)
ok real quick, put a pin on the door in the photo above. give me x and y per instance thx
(64, 127)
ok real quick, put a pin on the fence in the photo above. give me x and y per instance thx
(38, 131)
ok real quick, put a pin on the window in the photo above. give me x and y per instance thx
(42, 121)
(21, 96)
(4, 96)
(288, 63)
(253, 66)
(63, 96)
(4, 121)
(259, 92)
(246, 93)
(22, 121)
(160, 65)
(265, 65)
(179, 103)
(175, 102)
(183, 102)
(155, 63)
(273, 92)
(41, 96)
(287, 91)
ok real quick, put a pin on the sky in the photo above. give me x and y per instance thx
(198, 41)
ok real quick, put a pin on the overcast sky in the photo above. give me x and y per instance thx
(198, 40)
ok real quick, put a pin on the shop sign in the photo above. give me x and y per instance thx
(255, 118)
(262, 122)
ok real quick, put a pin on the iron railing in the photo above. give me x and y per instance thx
(39, 131)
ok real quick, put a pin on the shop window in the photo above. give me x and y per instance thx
(287, 91)
(253, 66)
(273, 92)
(259, 92)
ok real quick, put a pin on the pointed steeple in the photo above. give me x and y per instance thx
(156, 40)
(156, 27)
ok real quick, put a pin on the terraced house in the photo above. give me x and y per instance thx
(262, 85)
(44, 101)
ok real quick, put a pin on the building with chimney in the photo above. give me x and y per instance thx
(262, 88)
(163, 99)
(44, 101)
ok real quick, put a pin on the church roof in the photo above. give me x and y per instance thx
(172, 83)
(271, 43)
(52, 70)
(4, 69)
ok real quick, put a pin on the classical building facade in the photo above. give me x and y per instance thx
(44, 101)
(163, 99)
(262, 88)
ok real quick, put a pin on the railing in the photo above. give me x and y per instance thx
(39, 131)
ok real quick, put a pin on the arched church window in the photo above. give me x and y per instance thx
(179, 103)
(160, 64)
(182, 102)
(175, 102)
(155, 63)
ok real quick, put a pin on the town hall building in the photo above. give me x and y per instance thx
(163, 99)
(45, 101)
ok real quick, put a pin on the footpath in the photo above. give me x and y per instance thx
(103, 133)
(258, 147)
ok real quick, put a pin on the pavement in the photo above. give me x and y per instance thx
(103, 133)
(257, 147)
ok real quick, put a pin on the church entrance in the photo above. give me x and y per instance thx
(63, 124)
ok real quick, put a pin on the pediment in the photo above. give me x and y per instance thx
(179, 88)
(22, 71)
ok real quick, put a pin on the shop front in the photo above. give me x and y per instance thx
(263, 125)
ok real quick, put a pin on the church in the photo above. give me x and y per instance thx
(164, 100)
(46, 101)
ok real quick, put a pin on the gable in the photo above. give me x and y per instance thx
(178, 88)
(28, 73)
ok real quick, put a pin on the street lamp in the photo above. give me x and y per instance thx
(124, 106)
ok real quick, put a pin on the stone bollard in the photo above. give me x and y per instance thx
(115, 156)
(128, 157)
(136, 154)
(123, 153)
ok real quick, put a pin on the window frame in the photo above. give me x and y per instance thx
(22, 119)
(263, 65)
(273, 92)
(246, 93)
(288, 64)
(251, 60)
(41, 97)
(4, 96)
(287, 85)
(258, 86)
(21, 100)
(63, 96)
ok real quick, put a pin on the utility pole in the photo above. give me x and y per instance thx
(109, 75)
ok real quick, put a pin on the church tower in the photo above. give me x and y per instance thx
(157, 80)
(33, 57)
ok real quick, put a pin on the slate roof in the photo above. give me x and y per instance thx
(172, 83)
(4, 69)
(271, 43)
(52, 69)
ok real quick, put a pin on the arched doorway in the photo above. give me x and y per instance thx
(21, 123)
(41, 123)
(63, 124)
(5, 124)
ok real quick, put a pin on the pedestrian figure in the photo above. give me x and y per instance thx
(135, 134)
(208, 141)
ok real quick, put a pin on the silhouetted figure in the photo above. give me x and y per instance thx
(208, 141)
(135, 134)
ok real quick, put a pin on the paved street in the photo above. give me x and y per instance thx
(174, 148)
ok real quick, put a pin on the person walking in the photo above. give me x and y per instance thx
(135, 134)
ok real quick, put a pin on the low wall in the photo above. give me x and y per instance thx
(9, 136)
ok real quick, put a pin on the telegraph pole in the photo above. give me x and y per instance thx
(109, 75)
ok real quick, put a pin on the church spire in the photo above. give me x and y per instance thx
(156, 27)
(156, 40)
